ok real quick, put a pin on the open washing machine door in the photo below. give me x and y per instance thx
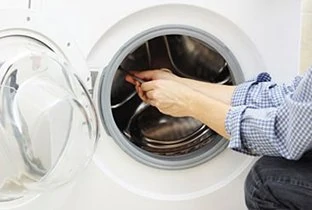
(48, 124)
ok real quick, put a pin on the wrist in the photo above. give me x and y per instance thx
(193, 99)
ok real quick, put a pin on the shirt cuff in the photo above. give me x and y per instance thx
(232, 126)
(240, 93)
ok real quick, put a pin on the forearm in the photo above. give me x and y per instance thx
(209, 111)
(222, 93)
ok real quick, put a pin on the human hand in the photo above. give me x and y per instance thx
(151, 75)
(168, 96)
(179, 97)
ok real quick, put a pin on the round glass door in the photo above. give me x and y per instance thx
(48, 125)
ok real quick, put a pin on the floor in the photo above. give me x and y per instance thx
(306, 33)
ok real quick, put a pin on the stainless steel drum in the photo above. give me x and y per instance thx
(166, 135)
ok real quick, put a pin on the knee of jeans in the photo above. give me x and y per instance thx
(250, 183)
(250, 190)
(254, 179)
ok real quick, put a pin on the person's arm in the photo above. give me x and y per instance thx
(253, 130)
(285, 130)
(219, 92)
(222, 93)
(179, 100)
(260, 92)
(210, 112)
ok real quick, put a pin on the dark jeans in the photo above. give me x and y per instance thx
(277, 183)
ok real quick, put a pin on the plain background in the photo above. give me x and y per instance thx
(306, 35)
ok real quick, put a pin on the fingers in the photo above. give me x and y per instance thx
(140, 92)
(166, 70)
(133, 76)
(146, 93)
(147, 75)
(130, 79)
(148, 86)
(153, 80)
(153, 74)
(149, 98)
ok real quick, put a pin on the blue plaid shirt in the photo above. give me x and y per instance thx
(271, 119)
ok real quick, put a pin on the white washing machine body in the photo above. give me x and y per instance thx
(255, 35)
(15, 4)
(272, 28)
(262, 36)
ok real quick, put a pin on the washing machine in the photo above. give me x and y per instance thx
(104, 148)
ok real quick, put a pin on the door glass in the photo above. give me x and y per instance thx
(48, 126)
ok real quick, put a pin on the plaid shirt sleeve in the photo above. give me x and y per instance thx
(270, 119)
(262, 93)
